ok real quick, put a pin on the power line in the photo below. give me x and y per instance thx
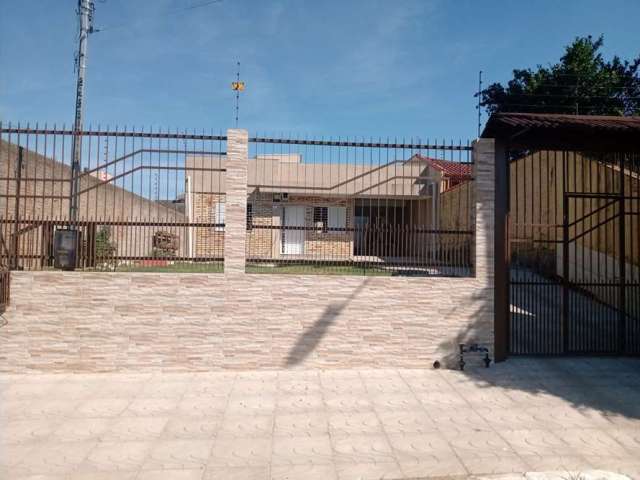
(161, 15)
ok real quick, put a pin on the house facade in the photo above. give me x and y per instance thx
(334, 211)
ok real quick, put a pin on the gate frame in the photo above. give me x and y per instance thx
(542, 131)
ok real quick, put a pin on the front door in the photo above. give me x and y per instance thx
(292, 237)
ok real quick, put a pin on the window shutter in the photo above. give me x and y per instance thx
(337, 217)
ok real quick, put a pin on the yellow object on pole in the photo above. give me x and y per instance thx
(238, 86)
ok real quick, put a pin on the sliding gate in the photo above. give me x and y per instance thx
(574, 246)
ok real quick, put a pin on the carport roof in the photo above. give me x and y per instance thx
(564, 132)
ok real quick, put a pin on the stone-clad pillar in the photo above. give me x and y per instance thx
(236, 202)
(485, 179)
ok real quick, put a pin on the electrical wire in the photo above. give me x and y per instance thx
(163, 14)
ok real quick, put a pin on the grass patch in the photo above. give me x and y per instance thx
(177, 267)
(291, 269)
(313, 269)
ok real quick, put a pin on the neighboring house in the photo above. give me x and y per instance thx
(538, 183)
(537, 206)
(339, 211)
(44, 206)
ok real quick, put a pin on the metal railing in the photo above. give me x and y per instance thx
(574, 249)
(155, 201)
(134, 198)
(360, 207)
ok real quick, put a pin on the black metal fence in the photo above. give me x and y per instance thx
(377, 207)
(155, 201)
(575, 253)
(133, 197)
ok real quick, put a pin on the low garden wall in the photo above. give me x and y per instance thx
(74, 321)
(81, 321)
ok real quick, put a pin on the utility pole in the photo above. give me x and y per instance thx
(85, 13)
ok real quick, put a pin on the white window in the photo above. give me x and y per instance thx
(217, 216)
(337, 218)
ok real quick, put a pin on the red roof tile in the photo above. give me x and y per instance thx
(449, 168)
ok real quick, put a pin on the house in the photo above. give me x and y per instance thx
(338, 211)
(107, 212)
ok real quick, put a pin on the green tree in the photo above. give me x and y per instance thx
(581, 83)
(104, 246)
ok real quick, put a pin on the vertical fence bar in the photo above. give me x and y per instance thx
(16, 223)
(622, 242)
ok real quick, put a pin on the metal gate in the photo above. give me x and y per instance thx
(574, 249)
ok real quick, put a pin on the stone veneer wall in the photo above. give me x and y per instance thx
(75, 321)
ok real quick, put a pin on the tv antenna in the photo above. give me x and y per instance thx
(238, 86)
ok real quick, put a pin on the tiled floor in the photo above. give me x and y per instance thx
(523, 415)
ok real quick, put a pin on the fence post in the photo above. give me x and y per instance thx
(236, 202)
(487, 237)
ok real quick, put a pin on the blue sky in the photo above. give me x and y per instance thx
(367, 68)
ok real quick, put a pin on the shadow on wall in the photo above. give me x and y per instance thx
(311, 337)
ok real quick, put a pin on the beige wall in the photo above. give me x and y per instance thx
(186, 322)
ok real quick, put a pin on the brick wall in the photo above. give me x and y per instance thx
(209, 241)
(265, 243)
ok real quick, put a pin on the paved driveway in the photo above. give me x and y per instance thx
(523, 415)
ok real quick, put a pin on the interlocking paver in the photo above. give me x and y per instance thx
(170, 475)
(130, 429)
(407, 421)
(236, 473)
(496, 464)
(306, 472)
(242, 426)
(179, 454)
(361, 449)
(314, 450)
(80, 429)
(448, 466)
(26, 431)
(241, 452)
(299, 424)
(56, 457)
(523, 415)
(369, 471)
(116, 456)
(191, 427)
(354, 423)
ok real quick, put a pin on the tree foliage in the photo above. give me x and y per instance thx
(104, 246)
(581, 83)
